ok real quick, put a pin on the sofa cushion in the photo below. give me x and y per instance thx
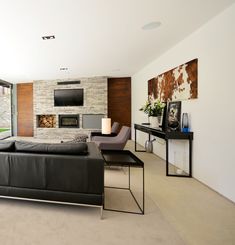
(4, 169)
(27, 170)
(68, 149)
(31, 147)
(7, 145)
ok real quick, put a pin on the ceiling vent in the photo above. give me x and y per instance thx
(68, 82)
(151, 25)
(48, 37)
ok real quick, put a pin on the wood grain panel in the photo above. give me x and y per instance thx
(25, 109)
(119, 100)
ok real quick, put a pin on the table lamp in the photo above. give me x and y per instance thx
(106, 126)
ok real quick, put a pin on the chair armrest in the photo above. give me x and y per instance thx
(110, 145)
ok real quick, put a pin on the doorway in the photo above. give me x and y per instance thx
(5, 109)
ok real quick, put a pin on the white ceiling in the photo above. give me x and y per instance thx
(93, 37)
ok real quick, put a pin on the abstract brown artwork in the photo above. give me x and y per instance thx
(179, 83)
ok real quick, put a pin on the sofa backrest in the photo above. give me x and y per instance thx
(53, 172)
(33, 147)
(64, 149)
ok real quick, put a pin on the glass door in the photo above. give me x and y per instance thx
(5, 110)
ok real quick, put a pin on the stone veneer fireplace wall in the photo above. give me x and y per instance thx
(95, 102)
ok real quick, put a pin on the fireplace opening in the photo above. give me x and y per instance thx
(46, 121)
(69, 121)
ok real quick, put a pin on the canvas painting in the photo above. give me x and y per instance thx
(180, 83)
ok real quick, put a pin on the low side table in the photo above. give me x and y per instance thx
(124, 158)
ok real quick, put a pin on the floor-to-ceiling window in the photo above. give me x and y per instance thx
(5, 110)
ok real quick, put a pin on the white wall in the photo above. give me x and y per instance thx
(213, 113)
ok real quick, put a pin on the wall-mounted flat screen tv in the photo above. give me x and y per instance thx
(68, 97)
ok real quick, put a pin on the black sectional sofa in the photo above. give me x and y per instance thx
(70, 173)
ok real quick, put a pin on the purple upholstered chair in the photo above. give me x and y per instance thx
(115, 127)
(113, 143)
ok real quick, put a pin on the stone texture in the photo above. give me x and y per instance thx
(95, 102)
(5, 110)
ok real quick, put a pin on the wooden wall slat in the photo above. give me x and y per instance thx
(119, 100)
(25, 109)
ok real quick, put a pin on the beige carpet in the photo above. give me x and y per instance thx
(38, 223)
(178, 211)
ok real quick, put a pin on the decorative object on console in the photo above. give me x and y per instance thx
(179, 83)
(106, 126)
(154, 122)
(185, 123)
(154, 109)
(173, 116)
(149, 145)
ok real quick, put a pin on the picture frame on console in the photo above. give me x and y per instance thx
(173, 117)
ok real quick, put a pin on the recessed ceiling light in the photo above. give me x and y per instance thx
(48, 37)
(151, 25)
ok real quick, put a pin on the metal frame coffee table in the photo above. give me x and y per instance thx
(124, 158)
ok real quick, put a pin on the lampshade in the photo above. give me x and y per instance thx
(106, 125)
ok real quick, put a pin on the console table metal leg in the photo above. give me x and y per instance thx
(167, 160)
(143, 192)
(136, 143)
(190, 161)
(190, 158)
(135, 140)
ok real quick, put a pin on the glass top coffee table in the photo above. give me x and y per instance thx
(124, 158)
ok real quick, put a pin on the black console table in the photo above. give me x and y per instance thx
(171, 135)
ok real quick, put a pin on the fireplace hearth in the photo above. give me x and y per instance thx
(69, 121)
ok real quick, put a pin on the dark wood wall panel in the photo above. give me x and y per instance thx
(119, 100)
(25, 109)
